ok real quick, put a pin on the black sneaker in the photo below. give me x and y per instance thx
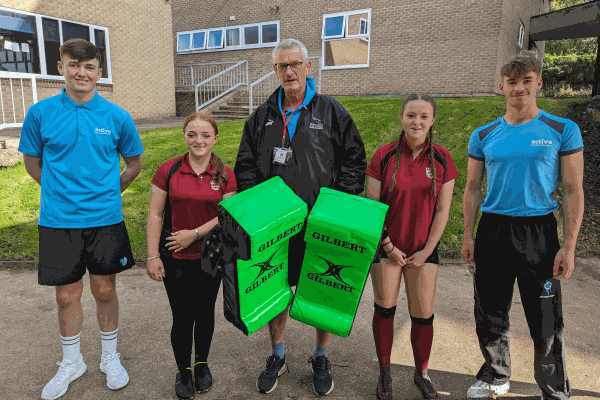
(202, 378)
(322, 381)
(184, 385)
(267, 381)
(384, 385)
(425, 386)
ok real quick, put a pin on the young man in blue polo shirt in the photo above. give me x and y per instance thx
(71, 145)
(524, 153)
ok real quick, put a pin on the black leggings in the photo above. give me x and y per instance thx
(192, 295)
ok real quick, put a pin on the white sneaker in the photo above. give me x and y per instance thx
(67, 373)
(116, 375)
(482, 389)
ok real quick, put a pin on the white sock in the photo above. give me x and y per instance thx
(70, 347)
(109, 341)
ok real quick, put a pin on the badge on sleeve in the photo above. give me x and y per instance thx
(282, 155)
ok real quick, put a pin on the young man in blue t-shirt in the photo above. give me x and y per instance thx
(524, 153)
(71, 145)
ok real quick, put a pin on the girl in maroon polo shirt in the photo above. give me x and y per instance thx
(415, 177)
(194, 189)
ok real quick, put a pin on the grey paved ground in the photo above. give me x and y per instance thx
(30, 345)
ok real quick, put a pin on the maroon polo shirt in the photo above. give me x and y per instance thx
(193, 198)
(412, 206)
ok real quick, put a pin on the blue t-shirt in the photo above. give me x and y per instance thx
(523, 162)
(310, 93)
(80, 147)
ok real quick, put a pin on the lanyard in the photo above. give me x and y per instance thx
(286, 122)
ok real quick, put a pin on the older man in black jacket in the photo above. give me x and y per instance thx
(310, 141)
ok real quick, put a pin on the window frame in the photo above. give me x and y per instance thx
(204, 42)
(189, 33)
(521, 39)
(365, 36)
(229, 28)
(344, 25)
(219, 46)
(224, 47)
(42, 47)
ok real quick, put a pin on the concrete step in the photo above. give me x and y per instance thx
(231, 112)
(234, 107)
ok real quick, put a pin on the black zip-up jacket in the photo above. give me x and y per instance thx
(327, 150)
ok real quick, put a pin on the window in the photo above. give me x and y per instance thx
(233, 37)
(215, 39)
(199, 40)
(183, 41)
(18, 43)
(269, 33)
(251, 35)
(346, 39)
(521, 34)
(29, 43)
(264, 34)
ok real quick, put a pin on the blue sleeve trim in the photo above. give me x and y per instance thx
(569, 152)
(476, 158)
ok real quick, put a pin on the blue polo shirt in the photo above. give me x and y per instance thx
(310, 93)
(80, 147)
(523, 162)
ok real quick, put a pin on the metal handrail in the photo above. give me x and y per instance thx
(236, 79)
(194, 70)
(16, 76)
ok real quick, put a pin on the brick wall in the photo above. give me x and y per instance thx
(140, 49)
(432, 46)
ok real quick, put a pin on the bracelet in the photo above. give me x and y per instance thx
(152, 258)
(388, 254)
(196, 234)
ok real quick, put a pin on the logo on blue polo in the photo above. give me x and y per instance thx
(103, 131)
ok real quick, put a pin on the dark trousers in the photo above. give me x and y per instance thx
(192, 295)
(521, 248)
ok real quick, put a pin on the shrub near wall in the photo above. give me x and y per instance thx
(568, 73)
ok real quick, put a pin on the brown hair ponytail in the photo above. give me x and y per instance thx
(397, 154)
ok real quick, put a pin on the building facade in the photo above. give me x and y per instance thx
(135, 38)
(366, 47)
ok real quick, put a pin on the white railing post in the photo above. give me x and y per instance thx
(192, 75)
(34, 89)
(2, 102)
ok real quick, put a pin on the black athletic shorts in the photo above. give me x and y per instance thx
(434, 258)
(65, 253)
(296, 257)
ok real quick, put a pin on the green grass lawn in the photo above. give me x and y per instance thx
(376, 118)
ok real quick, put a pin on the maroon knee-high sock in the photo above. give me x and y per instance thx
(421, 338)
(383, 333)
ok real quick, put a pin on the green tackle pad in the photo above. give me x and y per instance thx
(342, 237)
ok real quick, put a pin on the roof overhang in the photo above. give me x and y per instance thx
(578, 21)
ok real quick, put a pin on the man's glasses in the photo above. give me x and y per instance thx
(296, 65)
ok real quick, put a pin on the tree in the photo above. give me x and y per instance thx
(565, 47)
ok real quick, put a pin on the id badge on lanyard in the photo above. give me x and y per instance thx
(283, 155)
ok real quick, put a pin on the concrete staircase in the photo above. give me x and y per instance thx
(237, 107)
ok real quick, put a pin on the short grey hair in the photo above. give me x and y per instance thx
(288, 44)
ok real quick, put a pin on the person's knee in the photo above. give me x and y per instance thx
(68, 295)
(104, 292)
(385, 312)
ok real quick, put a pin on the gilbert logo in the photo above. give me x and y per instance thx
(316, 124)
(267, 271)
(541, 143)
(102, 131)
(334, 272)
